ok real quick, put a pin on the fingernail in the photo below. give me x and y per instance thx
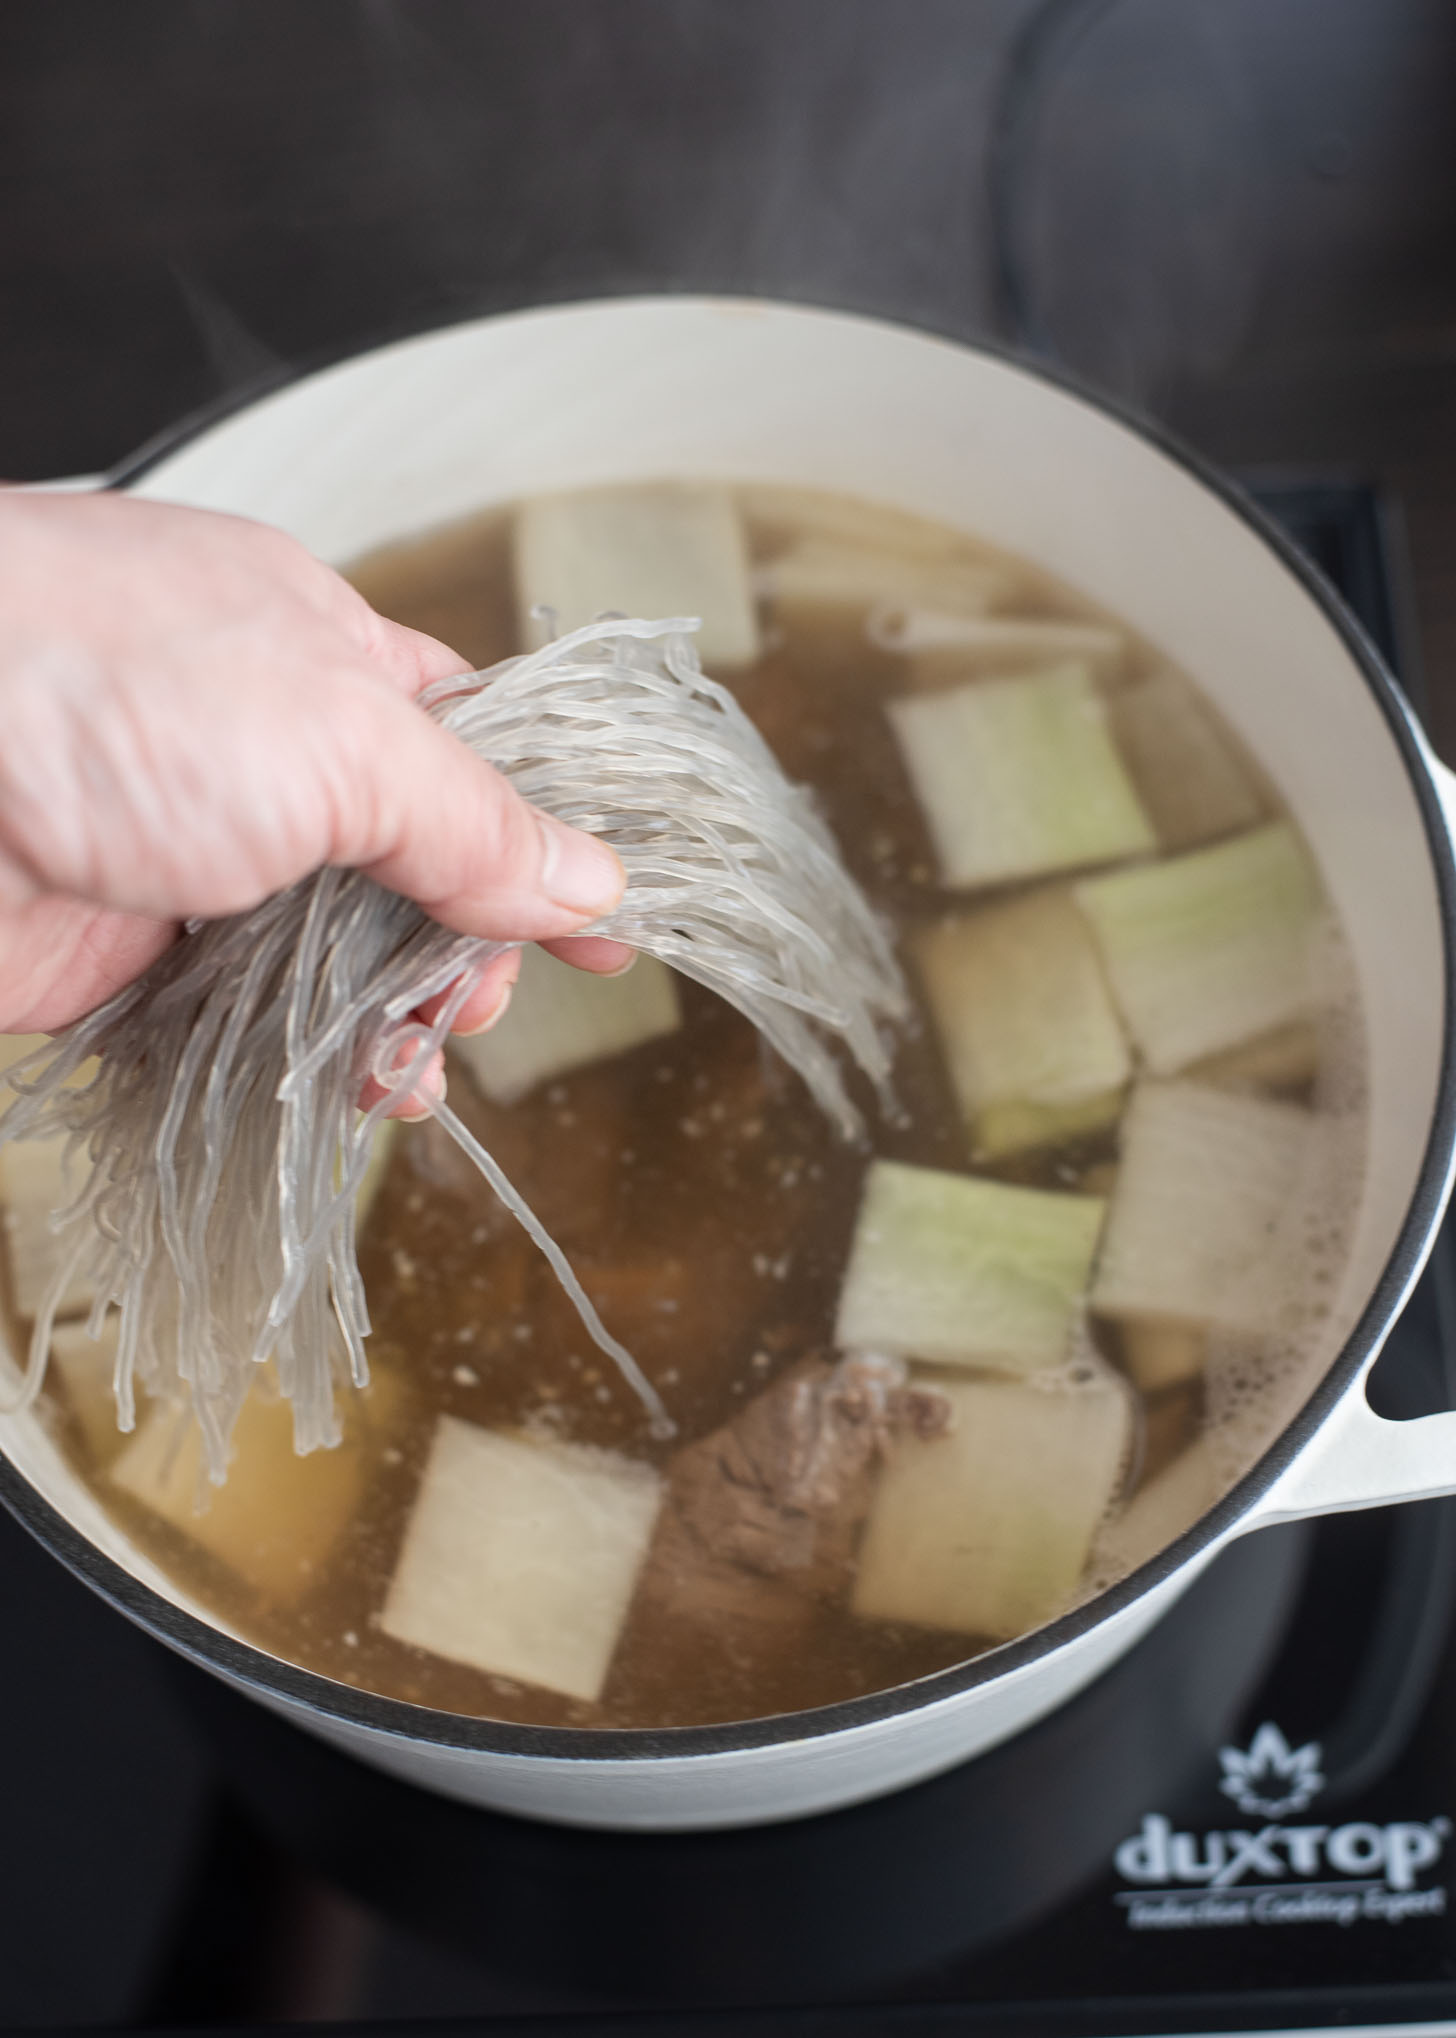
(622, 967)
(578, 873)
(492, 1018)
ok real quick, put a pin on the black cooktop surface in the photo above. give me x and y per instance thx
(1245, 1824)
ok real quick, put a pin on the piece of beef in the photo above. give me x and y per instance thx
(763, 1514)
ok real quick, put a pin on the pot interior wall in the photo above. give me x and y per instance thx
(26, 1441)
(417, 433)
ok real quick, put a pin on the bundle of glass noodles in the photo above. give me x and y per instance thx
(217, 1147)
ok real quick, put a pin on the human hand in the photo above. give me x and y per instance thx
(194, 713)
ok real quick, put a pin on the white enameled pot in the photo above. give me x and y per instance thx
(412, 434)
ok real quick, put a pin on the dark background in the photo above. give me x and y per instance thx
(1240, 214)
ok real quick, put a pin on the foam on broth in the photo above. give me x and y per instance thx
(709, 1211)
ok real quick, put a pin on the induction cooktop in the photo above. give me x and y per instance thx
(1245, 1825)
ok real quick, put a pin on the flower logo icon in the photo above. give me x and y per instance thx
(1270, 1778)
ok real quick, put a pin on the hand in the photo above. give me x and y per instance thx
(194, 713)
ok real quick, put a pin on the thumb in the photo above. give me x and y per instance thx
(427, 817)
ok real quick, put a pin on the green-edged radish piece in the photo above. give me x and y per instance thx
(1157, 1514)
(1015, 1126)
(669, 549)
(1188, 774)
(521, 1556)
(986, 1530)
(965, 1272)
(1020, 776)
(1159, 1355)
(1211, 949)
(1194, 1225)
(1031, 1038)
(561, 1018)
(825, 574)
(944, 646)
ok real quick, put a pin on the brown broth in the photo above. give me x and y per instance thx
(704, 1201)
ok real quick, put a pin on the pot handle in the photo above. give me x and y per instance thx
(1360, 1459)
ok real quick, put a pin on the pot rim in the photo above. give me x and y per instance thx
(306, 1690)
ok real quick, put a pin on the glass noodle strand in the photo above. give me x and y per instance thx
(217, 1147)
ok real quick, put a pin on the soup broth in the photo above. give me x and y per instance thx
(885, 1461)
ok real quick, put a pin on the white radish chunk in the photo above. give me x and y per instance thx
(986, 1530)
(561, 1018)
(668, 549)
(1285, 1059)
(85, 1366)
(965, 1272)
(1158, 1513)
(783, 517)
(278, 1518)
(944, 646)
(1188, 774)
(1020, 776)
(35, 1182)
(1211, 949)
(1207, 1180)
(849, 580)
(1029, 1032)
(521, 1556)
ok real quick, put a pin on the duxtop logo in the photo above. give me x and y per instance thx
(1278, 1873)
(1270, 1778)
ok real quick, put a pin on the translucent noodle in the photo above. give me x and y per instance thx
(218, 1148)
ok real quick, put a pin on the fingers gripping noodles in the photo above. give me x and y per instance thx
(219, 1137)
